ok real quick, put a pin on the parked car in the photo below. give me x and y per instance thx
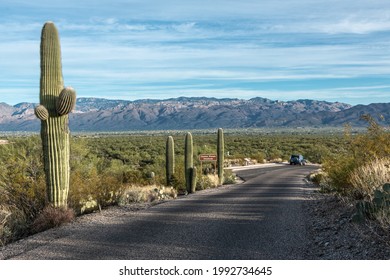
(297, 159)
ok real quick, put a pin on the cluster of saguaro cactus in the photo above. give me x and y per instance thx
(189, 168)
(56, 102)
(170, 160)
(220, 155)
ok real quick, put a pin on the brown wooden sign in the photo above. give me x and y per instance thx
(208, 157)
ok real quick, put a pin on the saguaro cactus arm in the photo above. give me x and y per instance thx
(66, 101)
(41, 113)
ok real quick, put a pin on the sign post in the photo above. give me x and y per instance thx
(208, 157)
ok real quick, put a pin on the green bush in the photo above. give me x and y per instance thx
(22, 186)
(358, 151)
(361, 172)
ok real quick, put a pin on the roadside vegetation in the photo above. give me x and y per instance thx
(360, 172)
(120, 169)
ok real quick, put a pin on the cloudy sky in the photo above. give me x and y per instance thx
(334, 50)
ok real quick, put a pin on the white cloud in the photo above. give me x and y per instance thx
(358, 26)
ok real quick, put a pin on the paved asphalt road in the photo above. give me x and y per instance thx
(259, 219)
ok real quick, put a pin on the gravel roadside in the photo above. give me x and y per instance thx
(333, 236)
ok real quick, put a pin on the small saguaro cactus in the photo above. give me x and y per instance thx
(220, 155)
(170, 160)
(56, 102)
(188, 160)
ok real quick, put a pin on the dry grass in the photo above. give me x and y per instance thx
(5, 214)
(371, 176)
(207, 182)
(136, 194)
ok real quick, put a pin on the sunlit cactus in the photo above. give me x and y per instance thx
(220, 155)
(170, 160)
(188, 160)
(55, 104)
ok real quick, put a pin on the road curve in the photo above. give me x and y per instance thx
(261, 218)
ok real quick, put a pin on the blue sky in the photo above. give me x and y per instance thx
(135, 49)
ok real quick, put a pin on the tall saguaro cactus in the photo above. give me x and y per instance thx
(56, 102)
(220, 155)
(188, 160)
(170, 160)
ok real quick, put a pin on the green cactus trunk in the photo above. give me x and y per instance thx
(170, 160)
(193, 179)
(220, 155)
(188, 160)
(55, 104)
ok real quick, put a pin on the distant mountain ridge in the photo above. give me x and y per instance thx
(97, 114)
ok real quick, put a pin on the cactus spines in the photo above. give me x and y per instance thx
(170, 160)
(188, 160)
(193, 179)
(41, 113)
(220, 155)
(66, 101)
(54, 124)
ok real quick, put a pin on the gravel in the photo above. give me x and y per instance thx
(334, 236)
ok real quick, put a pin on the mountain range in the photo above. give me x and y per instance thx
(184, 113)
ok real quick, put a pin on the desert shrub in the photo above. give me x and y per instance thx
(94, 182)
(260, 157)
(22, 186)
(207, 182)
(316, 177)
(134, 194)
(13, 224)
(361, 172)
(4, 231)
(338, 169)
(359, 150)
(138, 194)
(51, 217)
(275, 154)
(317, 153)
(229, 177)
